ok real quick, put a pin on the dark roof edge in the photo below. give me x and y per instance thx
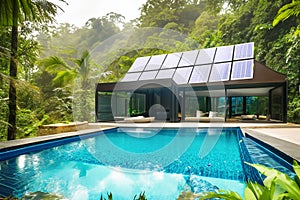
(270, 68)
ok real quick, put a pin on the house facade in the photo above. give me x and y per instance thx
(225, 82)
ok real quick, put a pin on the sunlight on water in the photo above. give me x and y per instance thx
(76, 171)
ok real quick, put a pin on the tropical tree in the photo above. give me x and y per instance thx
(292, 49)
(102, 28)
(13, 13)
(181, 13)
(65, 75)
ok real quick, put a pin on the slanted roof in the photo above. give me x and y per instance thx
(133, 85)
(233, 67)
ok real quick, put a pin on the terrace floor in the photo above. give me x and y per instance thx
(284, 137)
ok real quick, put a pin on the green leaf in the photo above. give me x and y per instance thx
(296, 168)
(256, 189)
(279, 178)
(64, 78)
(248, 193)
(227, 195)
(54, 64)
(268, 181)
(275, 192)
(287, 11)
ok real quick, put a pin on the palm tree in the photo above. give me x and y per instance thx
(12, 14)
(65, 76)
(286, 11)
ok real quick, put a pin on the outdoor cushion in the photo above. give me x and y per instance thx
(245, 117)
(212, 114)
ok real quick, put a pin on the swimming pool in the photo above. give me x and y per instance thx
(161, 162)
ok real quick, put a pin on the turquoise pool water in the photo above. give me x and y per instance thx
(161, 162)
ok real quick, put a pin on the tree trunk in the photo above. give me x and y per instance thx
(299, 80)
(12, 104)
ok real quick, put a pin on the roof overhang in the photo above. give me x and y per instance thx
(135, 85)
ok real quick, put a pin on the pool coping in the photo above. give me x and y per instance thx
(276, 143)
(18, 143)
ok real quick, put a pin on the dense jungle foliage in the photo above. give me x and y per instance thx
(51, 66)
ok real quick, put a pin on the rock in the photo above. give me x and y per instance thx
(199, 185)
(42, 196)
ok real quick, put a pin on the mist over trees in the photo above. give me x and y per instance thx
(56, 63)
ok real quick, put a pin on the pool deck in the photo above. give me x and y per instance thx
(286, 140)
(28, 141)
(283, 137)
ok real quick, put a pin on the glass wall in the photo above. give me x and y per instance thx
(251, 105)
(111, 106)
(103, 107)
(257, 106)
(120, 104)
(191, 105)
(137, 104)
(218, 104)
(277, 104)
(236, 106)
(205, 104)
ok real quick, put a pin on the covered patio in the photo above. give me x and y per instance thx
(201, 85)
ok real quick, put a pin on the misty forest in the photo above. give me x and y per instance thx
(45, 67)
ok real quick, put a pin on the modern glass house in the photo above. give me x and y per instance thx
(223, 81)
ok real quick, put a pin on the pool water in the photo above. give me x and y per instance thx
(161, 162)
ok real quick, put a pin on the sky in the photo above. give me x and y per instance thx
(80, 11)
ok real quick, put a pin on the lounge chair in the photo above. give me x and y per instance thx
(139, 119)
(200, 117)
(248, 117)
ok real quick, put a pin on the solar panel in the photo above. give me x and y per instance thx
(206, 56)
(188, 58)
(139, 64)
(200, 74)
(149, 75)
(242, 70)
(197, 66)
(220, 72)
(155, 62)
(131, 77)
(182, 75)
(224, 54)
(171, 60)
(165, 73)
(244, 51)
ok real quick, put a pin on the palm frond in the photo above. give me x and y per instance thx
(45, 11)
(83, 65)
(286, 11)
(14, 11)
(84, 57)
(54, 64)
(5, 13)
(4, 122)
(227, 195)
(26, 8)
(64, 78)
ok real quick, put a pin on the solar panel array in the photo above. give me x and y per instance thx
(234, 62)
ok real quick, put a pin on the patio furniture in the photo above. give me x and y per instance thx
(139, 119)
(200, 117)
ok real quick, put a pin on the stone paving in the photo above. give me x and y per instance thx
(286, 140)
